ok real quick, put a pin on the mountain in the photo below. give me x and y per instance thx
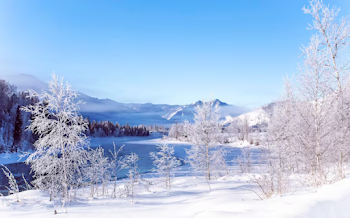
(186, 111)
(131, 113)
(258, 117)
(23, 82)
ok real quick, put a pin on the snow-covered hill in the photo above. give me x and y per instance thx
(23, 82)
(131, 113)
(258, 117)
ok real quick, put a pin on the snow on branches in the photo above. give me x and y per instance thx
(59, 150)
(206, 156)
(165, 162)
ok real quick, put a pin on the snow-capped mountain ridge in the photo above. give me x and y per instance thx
(132, 113)
(216, 101)
(182, 110)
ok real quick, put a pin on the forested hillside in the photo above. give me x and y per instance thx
(13, 121)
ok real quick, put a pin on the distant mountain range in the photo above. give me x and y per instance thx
(131, 113)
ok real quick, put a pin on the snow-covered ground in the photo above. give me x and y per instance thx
(157, 141)
(190, 197)
(257, 116)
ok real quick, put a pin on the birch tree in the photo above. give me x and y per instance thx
(282, 128)
(206, 156)
(279, 156)
(333, 34)
(315, 110)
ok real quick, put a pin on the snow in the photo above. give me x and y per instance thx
(170, 115)
(231, 196)
(158, 141)
(241, 144)
(8, 158)
(255, 117)
(190, 197)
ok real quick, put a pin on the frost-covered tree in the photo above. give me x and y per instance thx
(281, 154)
(309, 131)
(244, 128)
(59, 151)
(131, 162)
(165, 161)
(315, 110)
(181, 131)
(187, 130)
(206, 156)
(244, 160)
(282, 128)
(97, 171)
(116, 165)
(176, 131)
(13, 187)
(333, 35)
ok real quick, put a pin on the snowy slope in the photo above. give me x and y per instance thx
(258, 116)
(170, 115)
(23, 82)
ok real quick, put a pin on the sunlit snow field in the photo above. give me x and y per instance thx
(190, 196)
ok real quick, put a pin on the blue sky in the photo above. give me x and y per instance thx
(173, 51)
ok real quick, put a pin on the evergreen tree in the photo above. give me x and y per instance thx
(17, 132)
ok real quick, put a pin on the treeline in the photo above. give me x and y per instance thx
(108, 129)
(156, 128)
(238, 130)
(13, 121)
